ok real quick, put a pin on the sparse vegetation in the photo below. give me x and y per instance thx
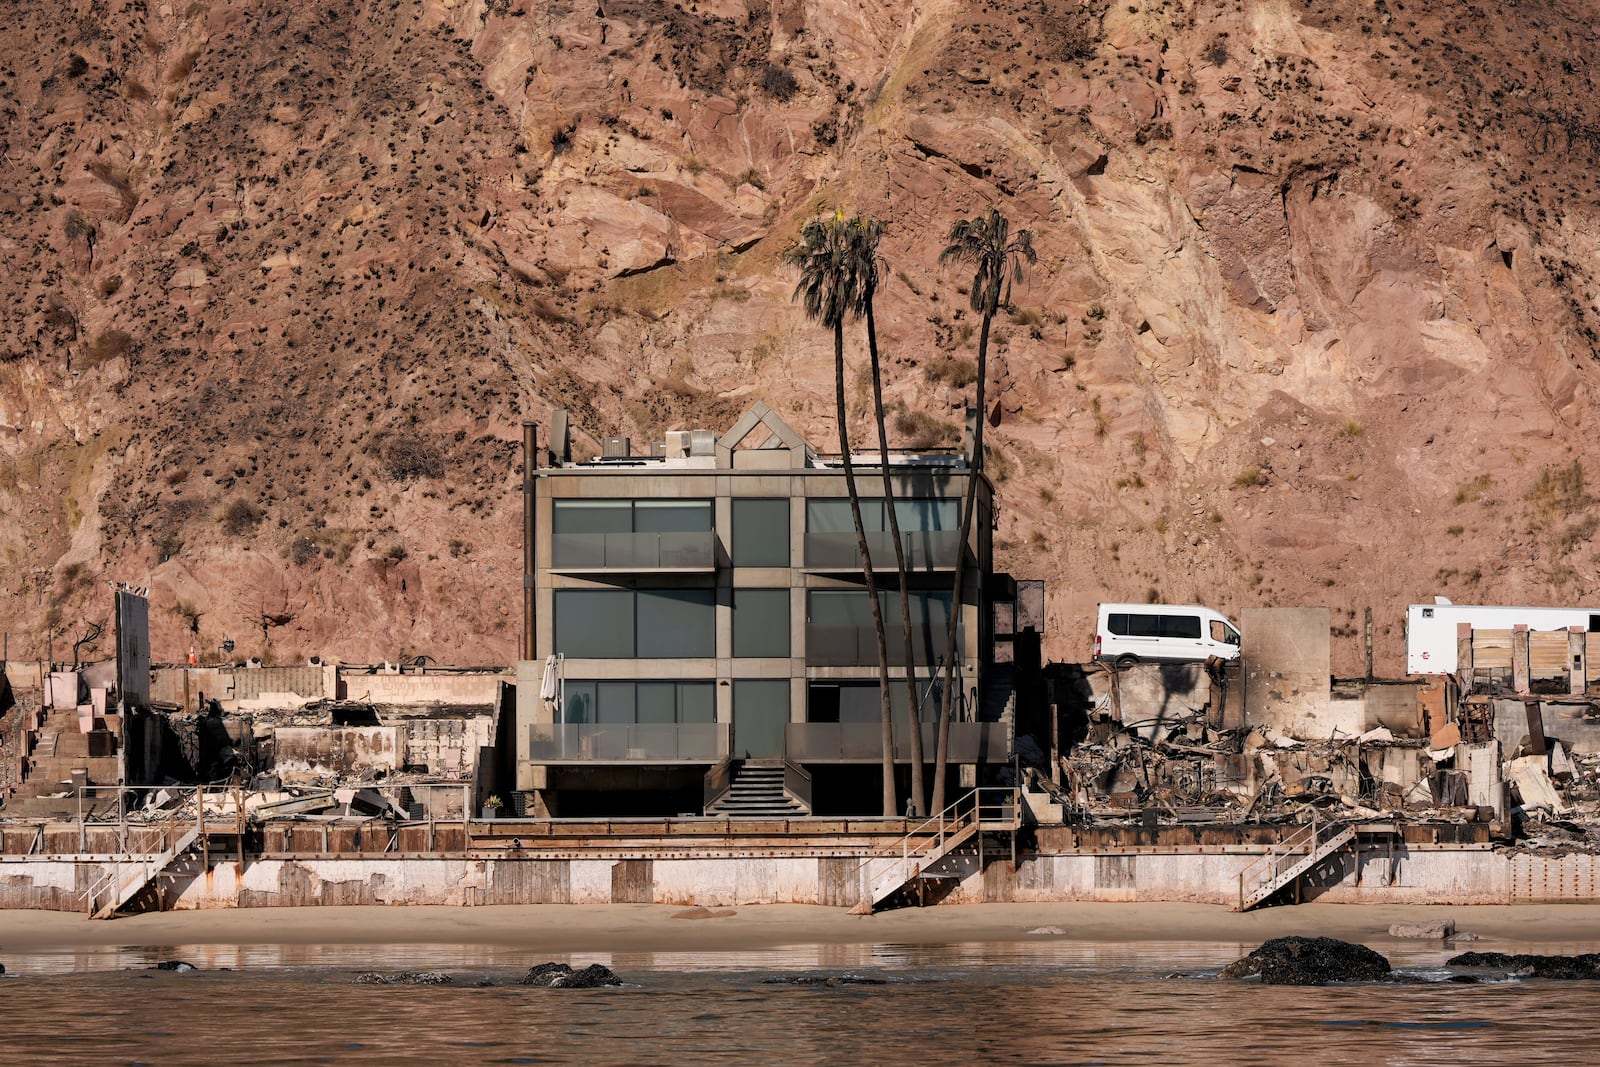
(778, 82)
(1351, 428)
(106, 347)
(919, 429)
(239, 517)
(1250, 476)
(957, 372)
(407, 457)
(1473, 491)
(1558, 492)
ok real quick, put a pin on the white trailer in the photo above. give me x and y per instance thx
(1431, 628)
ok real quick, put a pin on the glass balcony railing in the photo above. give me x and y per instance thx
(696, 551)
(627, 742)
(862, 742)
(925, 550)
(857, 646)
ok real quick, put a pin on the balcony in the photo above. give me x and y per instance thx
(857, 646)
(694, 552)
(862, 742)
(627, 742)
(933, 550)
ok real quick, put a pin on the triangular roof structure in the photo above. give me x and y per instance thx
(780, 435)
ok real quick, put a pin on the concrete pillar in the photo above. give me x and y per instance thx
(1519, 658)
(1577, 668)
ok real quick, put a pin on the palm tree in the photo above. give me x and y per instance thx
(996, 258)
(867, 233)
(827, 254)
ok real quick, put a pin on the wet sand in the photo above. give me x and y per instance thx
(668, 928)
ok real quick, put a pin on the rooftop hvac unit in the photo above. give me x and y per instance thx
(677, 444)
(702, 443)
(617, 448)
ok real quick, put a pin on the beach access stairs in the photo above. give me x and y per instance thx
(127, 878)
(1301, 852)
(929, 850)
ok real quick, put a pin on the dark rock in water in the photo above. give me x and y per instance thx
(404, 978)
(561, 976)
(1565, 968)
(1310, 961)
(174, 965)
(823, 980)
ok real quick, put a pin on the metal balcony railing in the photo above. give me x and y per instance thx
(628, 742)
(695, 551)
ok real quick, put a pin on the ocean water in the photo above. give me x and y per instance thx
(1041, 1001)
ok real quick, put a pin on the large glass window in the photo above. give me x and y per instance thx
(594, 623)
(630, 516)
(916, 515)
(614, 703)
(760, 716)
(676, 624)
(761, 532)
(839, 627)
(624, 624)
(761, 622)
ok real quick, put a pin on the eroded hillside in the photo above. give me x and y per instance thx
(1313, 322)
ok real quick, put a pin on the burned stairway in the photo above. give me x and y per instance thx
(929, 849)
(1289, 860)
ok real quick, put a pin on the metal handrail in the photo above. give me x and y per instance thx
(944, 825)
(1281, 856)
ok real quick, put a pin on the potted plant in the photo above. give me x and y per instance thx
(491, 807)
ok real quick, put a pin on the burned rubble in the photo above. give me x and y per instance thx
(1164, 744)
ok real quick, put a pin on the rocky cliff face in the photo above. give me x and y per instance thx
(1313, 323)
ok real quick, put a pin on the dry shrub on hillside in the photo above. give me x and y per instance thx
(407, 457)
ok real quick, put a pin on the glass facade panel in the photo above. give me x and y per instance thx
(594, 623)
(697, 702)
(676, 624)
(579, 706)
(761, 532)
(616, 701)
(760, 716)
(657, 702)
(833, 516)
(761, 623)
(921, 516)
(591, 517)
(671, 516)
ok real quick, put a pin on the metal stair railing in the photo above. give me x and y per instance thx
(984, 808)
(1286, 860)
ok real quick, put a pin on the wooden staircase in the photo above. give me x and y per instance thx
(1289, 859)
(919, 854)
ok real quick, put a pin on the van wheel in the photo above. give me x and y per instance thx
(1126, 660)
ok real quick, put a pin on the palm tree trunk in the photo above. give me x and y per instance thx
(864, 557)
(919, 796)
(968, 506)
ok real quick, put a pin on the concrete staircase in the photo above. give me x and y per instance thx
(756, 791)
(61, 748)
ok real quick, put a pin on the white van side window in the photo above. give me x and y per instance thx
(1218, 632)
(1184, 626)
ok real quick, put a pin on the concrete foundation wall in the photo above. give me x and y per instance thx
(422, 688)
(1427, 875)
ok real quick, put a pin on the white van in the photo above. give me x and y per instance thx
(1126, 633)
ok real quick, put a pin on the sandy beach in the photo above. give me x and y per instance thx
(667, 928)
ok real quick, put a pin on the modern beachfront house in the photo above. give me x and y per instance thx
(699, 635)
